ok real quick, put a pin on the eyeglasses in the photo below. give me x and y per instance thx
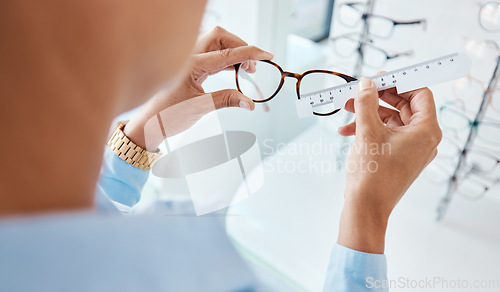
(347, 45)
(264, 83)
(489, 16)
(455, 119)
(470, 88)
(482, 48)
(469, 184)
(351, 14)
(474, 187)
(478, 160)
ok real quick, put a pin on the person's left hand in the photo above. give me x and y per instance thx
(187, 102)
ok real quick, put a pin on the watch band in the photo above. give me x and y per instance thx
(131, 153)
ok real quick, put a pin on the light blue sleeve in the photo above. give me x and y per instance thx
(354, 271)
(119, 182)
(349, 270)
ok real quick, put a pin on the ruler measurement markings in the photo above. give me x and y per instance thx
(383, 81)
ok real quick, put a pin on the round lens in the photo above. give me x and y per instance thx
(448, 148)
(481, 48)
(467, 88)
(380, 26)
(259, 81)
(489, 132)
(345, 46)
(440, 170)
(489, 16)
(373, 57)
(471, 188)
(314, 82)
(452, 119)
(350, 14)
(481, 161)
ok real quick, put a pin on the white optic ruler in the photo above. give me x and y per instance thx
(406, 79)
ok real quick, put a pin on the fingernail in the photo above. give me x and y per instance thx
(364, 83)
(245, 105)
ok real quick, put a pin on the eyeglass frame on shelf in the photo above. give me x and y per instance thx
(479, 97)
(297, 76)
(484, 43)
(470, 175)
(482, 6)
(464, 152)
(369, 43)
(471, 122)
(365, 16)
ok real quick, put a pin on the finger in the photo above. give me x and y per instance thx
(422, 104)
(418, 105)
(349, 105)
(212, 62)
(217, 39)
(414, 106)
(391, 96)
(390, 117)
(393, 90)
(366, 105)
(249, 66)
(232, 98)
(348, 130)
(394, 99)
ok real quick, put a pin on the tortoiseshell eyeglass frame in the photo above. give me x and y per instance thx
(299, 78)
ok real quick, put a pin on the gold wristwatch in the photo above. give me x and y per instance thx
(128, 151)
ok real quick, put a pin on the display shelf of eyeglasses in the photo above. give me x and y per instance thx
(470, 170)
(358, 28)
(478, 162)
(479, 175)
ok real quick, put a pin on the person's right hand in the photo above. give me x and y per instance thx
(391, 149)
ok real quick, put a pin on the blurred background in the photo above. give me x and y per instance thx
(448, 224)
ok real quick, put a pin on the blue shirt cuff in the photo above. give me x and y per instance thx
(120, 181)
(352, 270)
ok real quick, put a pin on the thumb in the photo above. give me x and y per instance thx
(366, 106)
(232, 98)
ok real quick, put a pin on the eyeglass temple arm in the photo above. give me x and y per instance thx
(420, 21)
(406, 53)
(354, 4)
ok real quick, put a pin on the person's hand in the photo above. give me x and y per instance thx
(180, 107)
(391, 149)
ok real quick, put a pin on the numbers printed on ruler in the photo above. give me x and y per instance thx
(405, 79)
